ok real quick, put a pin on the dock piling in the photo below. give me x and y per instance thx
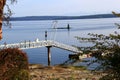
(49, 55)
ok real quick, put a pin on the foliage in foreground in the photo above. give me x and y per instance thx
(106, 49)
(13, 64)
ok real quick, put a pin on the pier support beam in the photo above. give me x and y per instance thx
(49, 55)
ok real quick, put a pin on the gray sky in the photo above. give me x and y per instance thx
(64, 7)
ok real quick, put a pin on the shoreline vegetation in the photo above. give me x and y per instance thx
(30, 18)
(40, 72)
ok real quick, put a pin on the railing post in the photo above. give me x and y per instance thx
(29, 43)
(25, 44)
(20, 45)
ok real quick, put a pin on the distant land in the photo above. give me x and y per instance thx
(29, 18)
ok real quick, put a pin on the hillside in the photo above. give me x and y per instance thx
(28, 18)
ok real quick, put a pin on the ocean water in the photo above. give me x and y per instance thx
(30, 30)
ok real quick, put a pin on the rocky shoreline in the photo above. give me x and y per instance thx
(39, 72)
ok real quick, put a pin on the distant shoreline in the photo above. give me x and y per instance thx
(31, 18)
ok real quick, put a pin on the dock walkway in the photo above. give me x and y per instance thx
(42, 43)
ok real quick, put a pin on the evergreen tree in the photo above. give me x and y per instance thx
(106, 50)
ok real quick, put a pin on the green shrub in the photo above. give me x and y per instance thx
(13, 64)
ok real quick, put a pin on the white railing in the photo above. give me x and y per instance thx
(38, 44)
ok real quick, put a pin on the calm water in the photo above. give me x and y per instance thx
(30, 30)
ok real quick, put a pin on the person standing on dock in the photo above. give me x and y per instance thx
(45, 35)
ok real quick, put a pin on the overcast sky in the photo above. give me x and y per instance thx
(64, 7)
